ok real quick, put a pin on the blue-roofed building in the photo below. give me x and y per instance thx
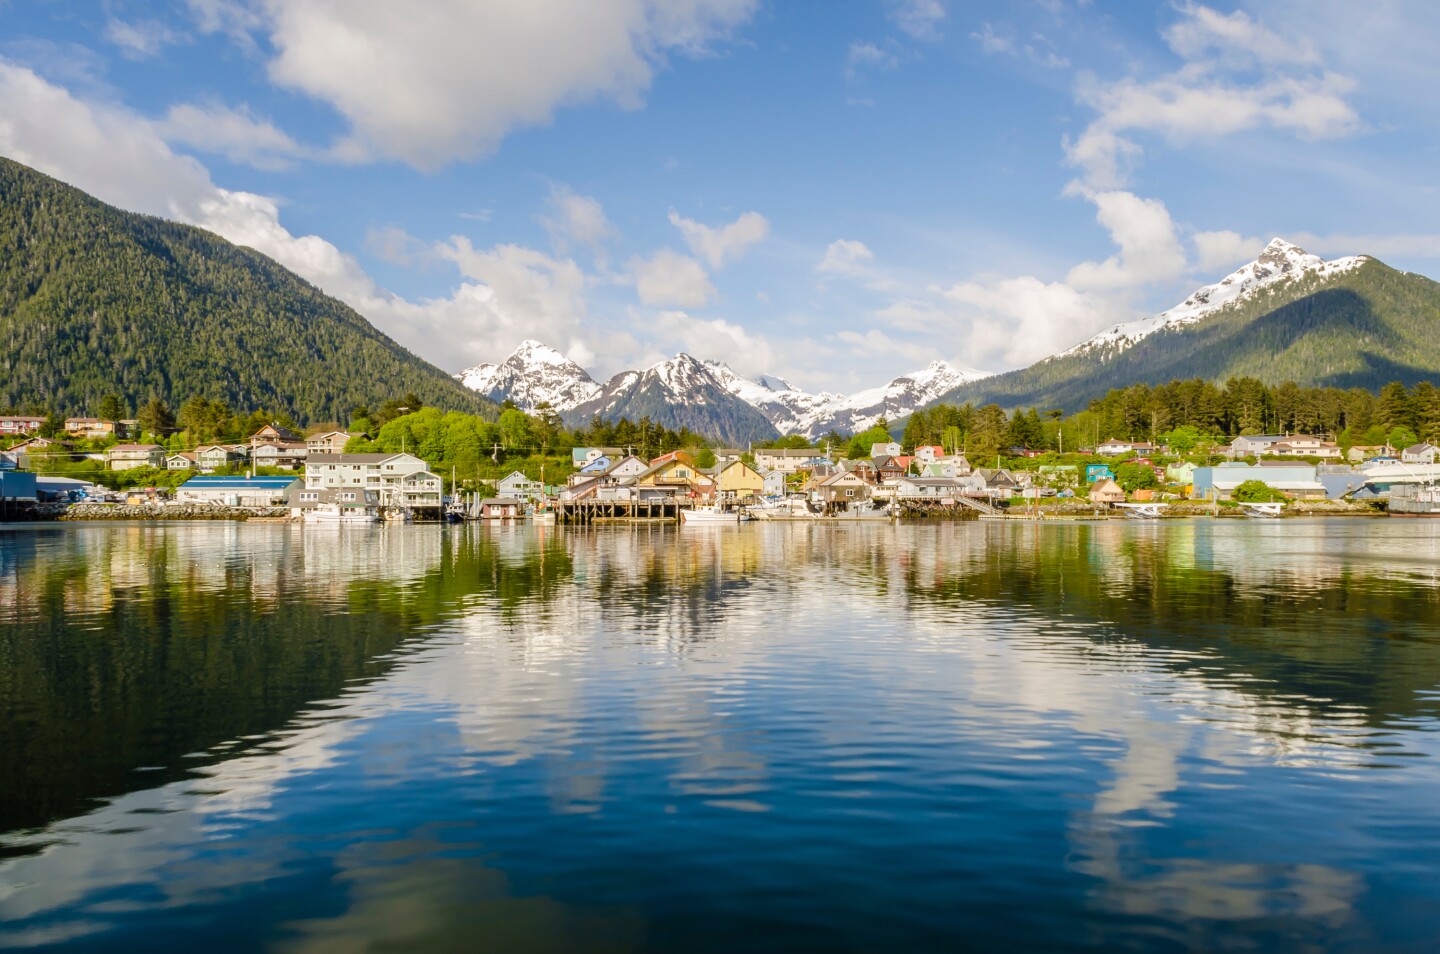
(237, 491)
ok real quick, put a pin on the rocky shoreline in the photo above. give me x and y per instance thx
(184, 512)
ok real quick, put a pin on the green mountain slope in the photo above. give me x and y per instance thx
(1361, 328)
(94, 300)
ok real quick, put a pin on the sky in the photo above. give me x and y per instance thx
(832, 191)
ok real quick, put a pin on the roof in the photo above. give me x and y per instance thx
(238, 483)
(1419, 448)
(500, 501)
(135, 447)
(788, 451)
(354, 458)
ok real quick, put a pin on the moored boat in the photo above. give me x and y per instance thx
(336, 515)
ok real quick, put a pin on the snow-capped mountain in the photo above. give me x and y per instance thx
(1281, 262)
(705, 396)
(533, 374)
(901, 397)
(679, 392)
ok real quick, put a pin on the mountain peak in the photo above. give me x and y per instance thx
(533, 374)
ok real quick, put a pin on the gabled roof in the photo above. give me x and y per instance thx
(356, 458)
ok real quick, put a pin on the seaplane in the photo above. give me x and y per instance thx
(1143, 510)
(1262, 509)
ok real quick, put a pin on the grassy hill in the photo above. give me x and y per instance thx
(1361, 328)
(95, 300)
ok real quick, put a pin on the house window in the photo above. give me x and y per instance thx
(309, 497)
(849, 493)
(347, 496)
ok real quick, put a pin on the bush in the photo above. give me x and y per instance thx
(1253, 491)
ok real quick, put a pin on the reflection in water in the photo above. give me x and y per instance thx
(1083, 736)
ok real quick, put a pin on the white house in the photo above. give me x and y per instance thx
(517, 485)
(890, 449)
(1303, 445)
(929, 452)
(1246, 445)
(774, 483)
(385, 473)
(1422, 453)
(130, 456)
(785, 459)
(1115, 448)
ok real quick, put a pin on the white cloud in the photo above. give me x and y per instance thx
(718, 340)
(864, 55)
(237, 134)
(874, 342)
(576, 219)
(1255, 79)
(449, 79)
(1149, 249)
(721, 245)
(1224, 249)
(1412, 245)
(142, 39)
(992, 42)
(918, 18)
(669, 279)
(846, 257)
(1013, 322)
(394, 245)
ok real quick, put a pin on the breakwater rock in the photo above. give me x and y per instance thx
(180, 512)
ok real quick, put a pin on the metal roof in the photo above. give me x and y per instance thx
(238, 483)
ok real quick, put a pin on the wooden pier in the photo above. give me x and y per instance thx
(620, 511)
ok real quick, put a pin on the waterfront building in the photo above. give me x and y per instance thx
(927, 488)
(237, 491)
(774, 483)
(1299, 481)
(299, 499)
(737, 479)
(844, 487)
(400, 479)
(516, 484)
(1106, 491)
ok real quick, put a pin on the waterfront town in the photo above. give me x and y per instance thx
(340, 472)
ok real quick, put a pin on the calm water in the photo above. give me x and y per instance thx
(1194, 735)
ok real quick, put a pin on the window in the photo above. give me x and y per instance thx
(849, 493)
(347, 496)
(309, 497)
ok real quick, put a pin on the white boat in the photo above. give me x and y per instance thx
(543, 514)
(711, 514)
(398, 515)
(336, 515)
(788, 508)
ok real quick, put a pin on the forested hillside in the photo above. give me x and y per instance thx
(95, 301)
(1362, 328)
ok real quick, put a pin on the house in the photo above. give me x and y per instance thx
(1303, 445)
(1363, 452)
(844, 487)
(926, 488)
(1180, 472)
(131, 456)
(275, 434)
(787, 459)
(1115, 448)
(626, 467)
(724, 455)
(1106, 491)
(929, 452)
(580, 456)
(1300, 481)
(864, 469)
(1094, 472)
(597, 465)
(1251, 445)
(994, 482)
(944, 467)
(211, 457)
(889, 468)
(1423, 453)
(500, 508)
(237, 491)
(330, 442)
(185, 460)
(286, 455)
(774, 481)
(888, 449)
(91, 427)
(516, 484)
(299, 500)
(419, 489)
(737, 479)
(20, 424)
(674, 474)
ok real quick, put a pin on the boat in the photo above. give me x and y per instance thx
(787, 508)
(711, 514)
(398, 515)
(878, 511)
(336, 515)
(543, 514)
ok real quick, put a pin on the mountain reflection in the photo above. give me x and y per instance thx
(574, 734)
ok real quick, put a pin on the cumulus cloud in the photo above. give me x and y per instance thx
(394, 245)
(235, 133)
(573, 219)
(1224, 249)
(845, 257)
(716, 339)
(721, 245)
(448, 79)
(669, 279)
(866, 55)
(1149, 249)
(1202, 31)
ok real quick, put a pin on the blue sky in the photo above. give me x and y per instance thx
(835, 192)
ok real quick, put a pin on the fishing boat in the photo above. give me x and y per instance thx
(711, 514)
(336, 515)
(398, 515)
(544, 513)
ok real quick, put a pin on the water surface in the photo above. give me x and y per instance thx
(1117, 736)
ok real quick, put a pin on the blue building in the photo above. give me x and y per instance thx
(237, 491)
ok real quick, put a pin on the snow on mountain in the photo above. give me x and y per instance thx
(533, 374)
(1280, 262)
(706, 396)
(899, 398)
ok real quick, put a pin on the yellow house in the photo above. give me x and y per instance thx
(738, 479)
(676, 472)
